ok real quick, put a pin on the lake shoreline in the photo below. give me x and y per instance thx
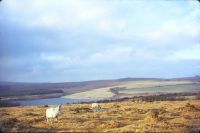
(164, 89)
(140, 97)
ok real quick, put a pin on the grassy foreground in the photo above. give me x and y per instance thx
(124, 116)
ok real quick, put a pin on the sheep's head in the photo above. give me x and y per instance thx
(59, 108)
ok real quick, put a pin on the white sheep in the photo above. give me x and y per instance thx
(96, 106)
(52, 112)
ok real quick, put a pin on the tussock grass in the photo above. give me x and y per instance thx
(124, 116)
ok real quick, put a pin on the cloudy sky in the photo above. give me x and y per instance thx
(76, 40)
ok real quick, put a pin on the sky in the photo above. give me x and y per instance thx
(79, 40)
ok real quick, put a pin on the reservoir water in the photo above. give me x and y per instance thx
(53, 101)
(49, 101)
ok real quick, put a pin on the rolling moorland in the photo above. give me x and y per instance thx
(122, 110)
(130, 115)
(11, 91)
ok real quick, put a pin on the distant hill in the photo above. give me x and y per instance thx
(194, 79)
(16, 89)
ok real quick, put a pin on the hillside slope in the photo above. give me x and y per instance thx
(124, 116)
(28, 91)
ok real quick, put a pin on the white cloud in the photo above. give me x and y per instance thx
(116, 28)
(195, 13)
(77, 35)
(184, 25)
(52, 57)
(99, 16)
(118, 54)
(186, 54)
(173, 30)
(122, 54)
(59, 60)
(51, 14)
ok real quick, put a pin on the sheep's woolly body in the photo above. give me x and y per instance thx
(96, 106)
(52, 112)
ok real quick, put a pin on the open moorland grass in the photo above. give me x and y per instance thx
(124, 116)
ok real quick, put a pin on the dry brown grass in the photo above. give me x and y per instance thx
(126, 116)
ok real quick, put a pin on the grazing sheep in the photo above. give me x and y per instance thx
(52, 112)
(96, 106)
